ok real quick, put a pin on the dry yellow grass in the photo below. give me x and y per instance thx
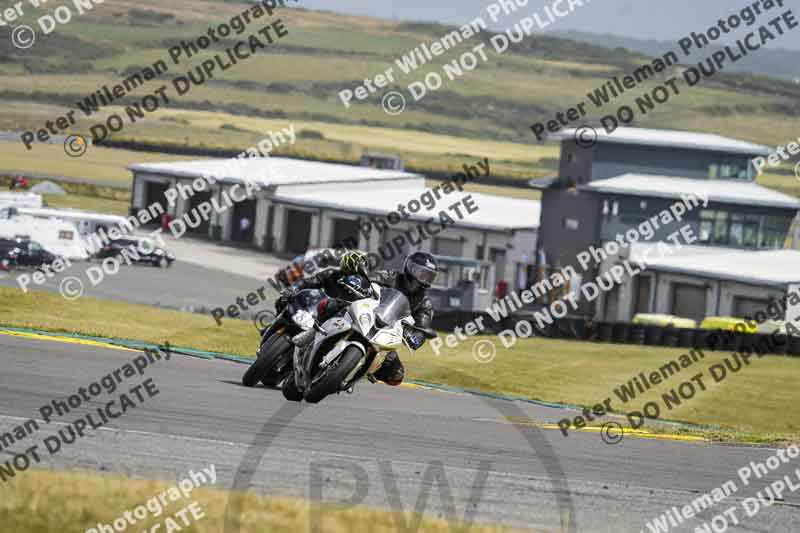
(89, 203)
(392, 140)
(39, 501)
(97, 164)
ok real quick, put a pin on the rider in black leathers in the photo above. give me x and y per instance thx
(329, 280)
(419, 272)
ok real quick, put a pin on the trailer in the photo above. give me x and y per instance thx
(20, 200)
(59, 237)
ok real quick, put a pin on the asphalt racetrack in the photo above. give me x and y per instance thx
(381, 446)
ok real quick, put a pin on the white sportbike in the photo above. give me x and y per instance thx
(332, 357)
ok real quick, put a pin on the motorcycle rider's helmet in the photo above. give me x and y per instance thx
(354, 262)
(421, 268)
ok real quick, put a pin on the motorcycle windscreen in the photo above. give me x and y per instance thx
(307, 300)
(394, 306)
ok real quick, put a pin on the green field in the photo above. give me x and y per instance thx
(486, 112)
(753, 405)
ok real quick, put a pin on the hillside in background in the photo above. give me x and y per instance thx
(486, 113)
(774, 62)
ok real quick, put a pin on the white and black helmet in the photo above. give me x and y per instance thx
(422, 268)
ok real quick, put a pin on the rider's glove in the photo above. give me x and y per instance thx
(414, 339)
(283, 299)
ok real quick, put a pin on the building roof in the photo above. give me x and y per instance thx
(669, 138)
(724, 191)
(70, 214)
(495, 213)
(268, 171)
(762, 268)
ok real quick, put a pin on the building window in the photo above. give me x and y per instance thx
(750, 231)
(773, 233)
(571, 223)
(721, 228)
(742, 231)
(737, 230)
(706, 226)
(730, 170)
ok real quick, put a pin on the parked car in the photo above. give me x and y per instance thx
(24, 253)
(155, 255)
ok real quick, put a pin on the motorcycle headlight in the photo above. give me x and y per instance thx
(365, 321)
(303, 319)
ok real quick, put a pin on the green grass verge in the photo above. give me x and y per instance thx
(755, 404)
(39, 501)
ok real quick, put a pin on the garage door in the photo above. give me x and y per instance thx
(195, 202)
(344, 231)
(642, 295)
(611, 313)
(298, 231)
(689, 301)
(243, 232)
(748, 307)
(154, 194)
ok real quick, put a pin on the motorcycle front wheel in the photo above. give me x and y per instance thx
(270, 357)
(334, 376)
(290, 390)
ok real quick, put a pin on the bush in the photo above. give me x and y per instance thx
(311, 134)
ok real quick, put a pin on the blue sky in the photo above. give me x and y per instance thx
(665, 20)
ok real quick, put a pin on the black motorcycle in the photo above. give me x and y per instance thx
(274, 357)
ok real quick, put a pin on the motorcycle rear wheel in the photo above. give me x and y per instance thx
(334, 375)
(269, 355)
